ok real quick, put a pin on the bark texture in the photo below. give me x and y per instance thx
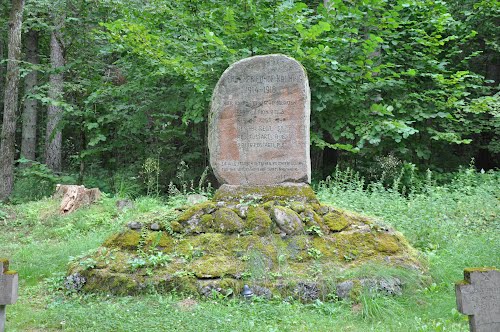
(53, 143)
(30, 113)
(8, 137)
(74, 196)
(2, 69)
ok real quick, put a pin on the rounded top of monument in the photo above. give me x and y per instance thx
(278, 57)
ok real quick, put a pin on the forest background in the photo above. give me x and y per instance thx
(116, 93)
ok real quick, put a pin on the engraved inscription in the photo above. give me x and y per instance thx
(255, 166)
(264, 79)
(261, 131)
(259, 103)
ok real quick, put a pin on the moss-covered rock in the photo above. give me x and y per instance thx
(277, 263)
(311, 218)
(196, 210)
(336, 221)
(207, 222)
(128, 239)
(114, 283)
(227, 221)
(287, 220)
(258, 220)
(297, 206)
(231, 284)
(386, 242)
(285, 191)
(161, 241)
(176, 226)
(257, 233)
(210, 267)
(190, 220)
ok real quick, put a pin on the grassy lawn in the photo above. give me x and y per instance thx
(454, 226)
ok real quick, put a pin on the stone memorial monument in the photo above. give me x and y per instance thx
(265, 214)
(8, 289)
(479, 297)
(259, 123)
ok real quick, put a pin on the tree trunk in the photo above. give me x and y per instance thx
(2, 70)
(8, 137)
(28, 145)
(53, 143)
(74, 197)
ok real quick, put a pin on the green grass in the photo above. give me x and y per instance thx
(454, 226)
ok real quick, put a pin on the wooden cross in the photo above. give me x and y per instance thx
(8, 289)
(479, 297)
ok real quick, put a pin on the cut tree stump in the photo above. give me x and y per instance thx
(73, 197)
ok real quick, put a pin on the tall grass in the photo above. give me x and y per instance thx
(430, 215)
(455, 225)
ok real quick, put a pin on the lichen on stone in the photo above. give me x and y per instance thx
(287, 220)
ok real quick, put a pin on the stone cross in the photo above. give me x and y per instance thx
(8, 289)
(259, 123)
(479, 297)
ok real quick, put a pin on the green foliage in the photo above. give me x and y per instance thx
(316, 230)
(426, 212)
(151, 168)
(151, 257)
(3, 214)
(183, 186)
(374, 306)
(385, 76)
(455, 224)
(314, 253)
(35, 181)
(401, 78)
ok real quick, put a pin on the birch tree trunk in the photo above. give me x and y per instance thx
(8, 136)
(28, 144)
(53, 143)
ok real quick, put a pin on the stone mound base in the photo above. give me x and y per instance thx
(279, 246)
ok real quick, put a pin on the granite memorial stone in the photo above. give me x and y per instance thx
(8, 289)
(259, 123)
(479, 297)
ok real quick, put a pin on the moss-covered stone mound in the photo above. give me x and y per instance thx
(281, 241)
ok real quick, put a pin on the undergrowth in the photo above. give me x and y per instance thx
(455, 225)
